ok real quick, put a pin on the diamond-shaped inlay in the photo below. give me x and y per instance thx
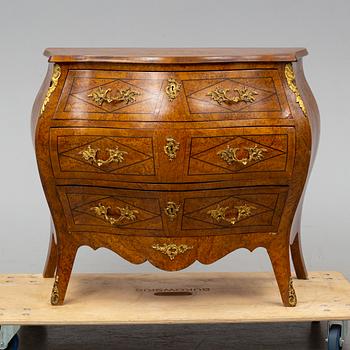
(146, 213)
(264, 96)
(145, 94)
(115, 155)
(215, 155)
(199, 213)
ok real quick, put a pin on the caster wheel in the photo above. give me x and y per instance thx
(334, 342)
(14, 343)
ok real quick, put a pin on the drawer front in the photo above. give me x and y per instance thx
(103, 154)
(169, 96)
(241, 153)
(173, 214)
(193, 155)
(241, 94)
(110, 95)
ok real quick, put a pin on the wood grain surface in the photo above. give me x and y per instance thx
(174, 55)
(100, 299)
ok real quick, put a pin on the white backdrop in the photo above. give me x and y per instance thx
(27, 27)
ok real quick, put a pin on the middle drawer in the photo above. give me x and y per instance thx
(172, 155)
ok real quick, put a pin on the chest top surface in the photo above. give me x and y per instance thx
(174, 55)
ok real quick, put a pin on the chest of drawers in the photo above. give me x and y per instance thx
(175, 155)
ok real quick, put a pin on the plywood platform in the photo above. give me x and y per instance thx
(203, 298)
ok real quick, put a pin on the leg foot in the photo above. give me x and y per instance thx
(64, 269)
(298, 259)
(279, 255)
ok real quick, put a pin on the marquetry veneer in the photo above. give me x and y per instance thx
(175, 155)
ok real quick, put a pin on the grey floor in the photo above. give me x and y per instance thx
(296, 336)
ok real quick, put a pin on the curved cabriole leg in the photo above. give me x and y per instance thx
(279, 255)
(51, 259)
(65, 261)
(298, 259)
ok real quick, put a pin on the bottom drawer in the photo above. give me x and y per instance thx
(173, 214)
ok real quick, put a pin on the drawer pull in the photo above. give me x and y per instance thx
(172, 89)
(219, 95)
(172, 249)
(219, 214)
(171, 210)
(115, 155)
(125, 214)
(171, 148)
(230, 154)
(100, 96)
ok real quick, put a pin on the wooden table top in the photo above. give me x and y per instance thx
(102, 299)
(174, 55)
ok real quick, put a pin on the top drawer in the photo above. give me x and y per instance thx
(172, 96)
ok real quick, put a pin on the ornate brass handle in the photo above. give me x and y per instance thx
(172, 89)
(101, 95)
(171, 210)
(115, 155)
(171, 148)
(219, 95)
(230, 154)
(219, 214)
(125, 214)
(172, 249)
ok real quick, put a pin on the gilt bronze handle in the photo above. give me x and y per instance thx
(230, 154)
(219, 214)
(115, 156)
(101, 96)
(126, 214)
(219, 95)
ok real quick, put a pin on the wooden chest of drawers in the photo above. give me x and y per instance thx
(175, 155)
